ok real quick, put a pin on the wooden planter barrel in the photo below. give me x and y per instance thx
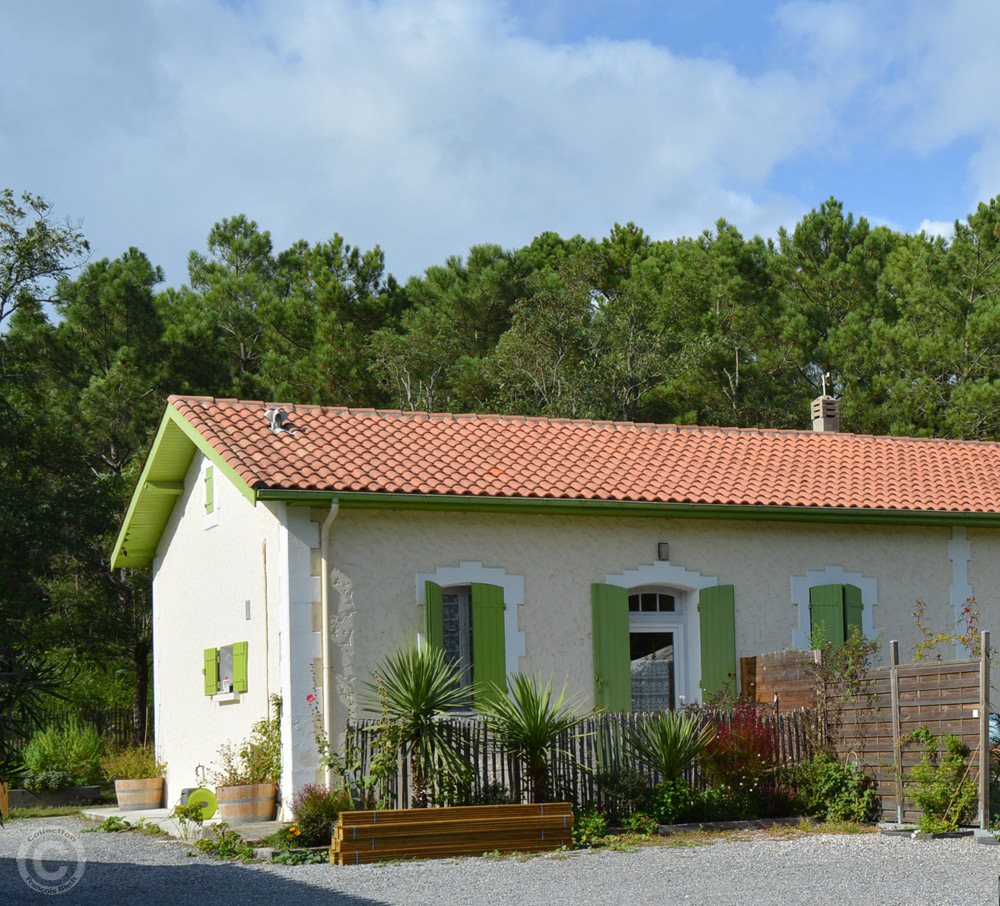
(246, 804)
(135, 795)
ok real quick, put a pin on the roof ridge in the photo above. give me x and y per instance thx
(488, 417)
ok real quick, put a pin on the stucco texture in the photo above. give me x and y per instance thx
(203, 578)
(378, 559)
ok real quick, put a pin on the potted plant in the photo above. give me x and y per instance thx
(138, 777)
(246, 779)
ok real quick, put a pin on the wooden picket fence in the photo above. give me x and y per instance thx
(577, 760)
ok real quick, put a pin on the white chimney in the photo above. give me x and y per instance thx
(826, 414)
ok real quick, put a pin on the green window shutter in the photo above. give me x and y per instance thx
(826, 615)
(852, 610)
(240, 666)
(211, 671)
(489, 656)
(612, 660)
(209, 490)
(717, 621)
(434, 614)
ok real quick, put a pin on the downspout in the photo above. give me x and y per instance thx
(324, 596)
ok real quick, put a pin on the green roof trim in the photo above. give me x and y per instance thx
(551, 506)
(160, 484)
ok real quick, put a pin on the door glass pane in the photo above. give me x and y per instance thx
(652, 657)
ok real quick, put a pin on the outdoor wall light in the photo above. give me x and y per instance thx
(663, 551)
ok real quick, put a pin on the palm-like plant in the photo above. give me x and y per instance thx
(530, 722)
(670, 743)
(412, 688)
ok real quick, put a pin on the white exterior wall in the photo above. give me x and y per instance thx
(205, 572)
(379, 560)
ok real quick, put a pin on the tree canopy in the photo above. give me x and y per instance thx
(713, 329)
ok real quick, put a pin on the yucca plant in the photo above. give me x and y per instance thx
(530, 722)
(411, 689)
(670, 743)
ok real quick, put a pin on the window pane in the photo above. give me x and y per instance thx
(649, 602)
(633, 603)
(667, 603)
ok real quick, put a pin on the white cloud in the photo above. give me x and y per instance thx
(425, 127)
(937, 228)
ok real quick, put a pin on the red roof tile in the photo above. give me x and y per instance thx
(365, 450)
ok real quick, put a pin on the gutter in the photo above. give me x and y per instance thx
(559, 506)
(324, 593)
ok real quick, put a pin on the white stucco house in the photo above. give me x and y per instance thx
(294, 547)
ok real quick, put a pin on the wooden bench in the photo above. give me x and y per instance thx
(436, 833)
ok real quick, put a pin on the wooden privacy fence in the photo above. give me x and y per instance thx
(871, 723)
(577, 760)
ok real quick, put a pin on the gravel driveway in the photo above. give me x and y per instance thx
(842, 870)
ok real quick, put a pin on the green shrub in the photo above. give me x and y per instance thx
(134, 763)
(315, 809)
(37, 781)
(226, 844)
(257, 759)
(73, 748)
(624, 792)
(835, 791)
(673, 802)
(941, 784)
(640, 824)
(589, 826)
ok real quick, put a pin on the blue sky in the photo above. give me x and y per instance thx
(427, 127)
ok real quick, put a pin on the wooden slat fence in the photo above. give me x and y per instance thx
(888, 703)
(114, 725)
(577, 760)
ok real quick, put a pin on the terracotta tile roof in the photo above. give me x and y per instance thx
(345, 450)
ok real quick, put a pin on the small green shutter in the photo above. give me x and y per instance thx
(434, 614)
(489, 657)
(612, 659)
(211, 671)
(717, 622)
(209, 490)
(853, 608)
(826, 615)
(240, 666)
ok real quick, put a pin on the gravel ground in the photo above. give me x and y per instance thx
(860, 870)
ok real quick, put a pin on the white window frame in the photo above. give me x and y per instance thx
(472, 571)
(685, 585)
(831, 575)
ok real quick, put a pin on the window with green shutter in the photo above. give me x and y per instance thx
(835, 611)
(717, 631)
(612, 661)
(467, 623)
